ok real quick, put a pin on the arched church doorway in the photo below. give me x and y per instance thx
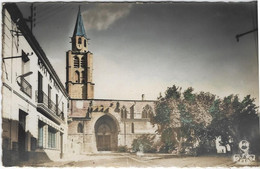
(106, 132)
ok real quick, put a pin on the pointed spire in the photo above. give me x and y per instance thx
(79, 27)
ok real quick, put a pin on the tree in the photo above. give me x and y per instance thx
(188, 118)
(245, 122)
(173, 93)
(188, 95)
(162, 117)
(176, 117)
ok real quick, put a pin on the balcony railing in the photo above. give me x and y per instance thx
(41, 97)
(26, 87)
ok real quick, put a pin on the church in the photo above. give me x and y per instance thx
(99, 124)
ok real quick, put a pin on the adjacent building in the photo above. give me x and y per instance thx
(34, 101)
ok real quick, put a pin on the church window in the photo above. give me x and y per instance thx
(80, 128)
(85, 43)
(147, 111)
(77, 76)
(144, 114)
(83, 77)
(133, 128)
(132, 112)
(76, 61)
(79, 40)
(83, 61)
(123, 113)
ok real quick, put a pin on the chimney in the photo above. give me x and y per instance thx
(142, 96)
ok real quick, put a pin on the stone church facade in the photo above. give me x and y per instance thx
(99, 124)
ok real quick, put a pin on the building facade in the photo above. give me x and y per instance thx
(34, 101)
(104, 125)
(99, 124)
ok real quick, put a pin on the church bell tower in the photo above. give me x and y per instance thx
(79, 64)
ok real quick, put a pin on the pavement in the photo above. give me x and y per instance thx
(146, 160)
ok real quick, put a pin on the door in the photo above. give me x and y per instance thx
(22, 135)
(104, 142)
(104, 138)
(106, 134)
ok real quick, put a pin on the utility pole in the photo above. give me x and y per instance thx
(31, 18)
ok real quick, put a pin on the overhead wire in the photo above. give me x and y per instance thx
(43, 11)
(51, 14)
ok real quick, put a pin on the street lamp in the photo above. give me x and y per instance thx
(22, 76)
(24, 57)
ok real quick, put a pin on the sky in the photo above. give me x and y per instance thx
(143, 48)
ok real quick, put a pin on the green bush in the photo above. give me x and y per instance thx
(122, 149)
(146, 141)
(167, 148)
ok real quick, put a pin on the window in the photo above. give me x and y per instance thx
(83, 61)
(57, 104)
(133, 128)
(83, 76)
(33, 143)
(51, 137)
(117, 109)
(40, 134)
(144, 114)
(147, 111)
(26, 87)
(62, 115)
(85, 43)
(123, 113)
(80, 128)
(79, 40)
(77, 79)
(132, 112)
(40, 93)
(50, 105)
(76, 62)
